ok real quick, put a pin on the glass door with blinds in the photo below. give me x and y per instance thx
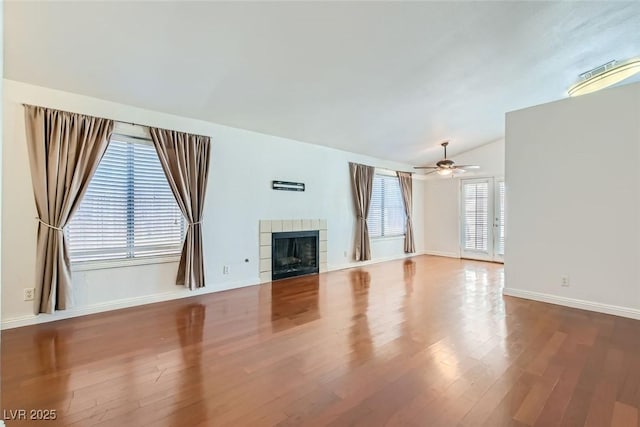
(498, 221)
(482, 219)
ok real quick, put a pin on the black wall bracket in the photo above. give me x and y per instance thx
(287, 186)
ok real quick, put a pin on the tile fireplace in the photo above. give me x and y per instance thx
(292, 247)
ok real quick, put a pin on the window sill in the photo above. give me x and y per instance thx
(383, 238)
(119, 263)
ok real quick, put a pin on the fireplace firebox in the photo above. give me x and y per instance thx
(294, 253)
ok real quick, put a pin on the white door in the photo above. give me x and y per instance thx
(482, 219)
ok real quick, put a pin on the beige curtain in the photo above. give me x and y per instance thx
(64, 152)
(362, 186)
(185, 160)
(406, 188)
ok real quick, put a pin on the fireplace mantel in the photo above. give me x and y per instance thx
(269, 226)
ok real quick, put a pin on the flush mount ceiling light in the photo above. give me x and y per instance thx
(604, 76)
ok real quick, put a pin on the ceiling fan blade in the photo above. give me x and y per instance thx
(425, 167)
(467, 167)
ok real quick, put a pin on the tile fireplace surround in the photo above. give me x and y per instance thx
(268, 226)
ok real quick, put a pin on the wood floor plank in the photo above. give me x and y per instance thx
(558, 401)
(549, 350)
(624, 415)
(534, 402)
(426, 341)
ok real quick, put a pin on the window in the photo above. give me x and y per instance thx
(128, 210)
(386, 211)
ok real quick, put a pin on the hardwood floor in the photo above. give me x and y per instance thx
(423, 342)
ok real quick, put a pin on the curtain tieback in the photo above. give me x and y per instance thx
(193, 223)
(48, 225)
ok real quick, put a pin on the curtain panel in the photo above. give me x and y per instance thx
(64, 152)
(406, 188)
(362, 186)
(185, 160)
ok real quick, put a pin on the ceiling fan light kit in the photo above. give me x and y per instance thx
(604, 76)
(447, 167)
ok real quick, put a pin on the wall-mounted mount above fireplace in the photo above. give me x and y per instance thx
(287, 185)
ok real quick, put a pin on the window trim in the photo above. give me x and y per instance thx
(132, 261)
(392, 237)
(123, 262)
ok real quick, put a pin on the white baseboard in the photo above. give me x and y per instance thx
(574, 303)
(33, 319)
(444, 254)
(354, 264)
(179, 293)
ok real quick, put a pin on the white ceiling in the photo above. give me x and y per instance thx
(388, 79)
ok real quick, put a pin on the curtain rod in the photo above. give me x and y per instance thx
(392, 171)
(114, 120)
(149, 126)
(139, 138)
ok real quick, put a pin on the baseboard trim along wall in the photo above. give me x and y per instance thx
(166, 296)
(33, 319)
(355, 264)
(574, 303)
(444, 254)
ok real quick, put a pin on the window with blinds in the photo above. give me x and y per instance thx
(476, 216)
(128, 210)
(386, 211)
(500, 219)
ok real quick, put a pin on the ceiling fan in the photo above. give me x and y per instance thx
(445, 166)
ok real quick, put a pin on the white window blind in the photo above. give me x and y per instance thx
(476, 216)
(386, 211)
(128, 210)
(500, 219)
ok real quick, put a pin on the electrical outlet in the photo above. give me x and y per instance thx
(225, 269)
(345, 254)
(29, 294)
(564, 281)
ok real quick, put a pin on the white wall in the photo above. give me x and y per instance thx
(573, 201)
(243, 165)
(442, 198)
(1, 145)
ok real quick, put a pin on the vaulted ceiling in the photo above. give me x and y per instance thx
(388, 79)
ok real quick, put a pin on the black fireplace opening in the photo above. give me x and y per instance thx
(294, 253)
